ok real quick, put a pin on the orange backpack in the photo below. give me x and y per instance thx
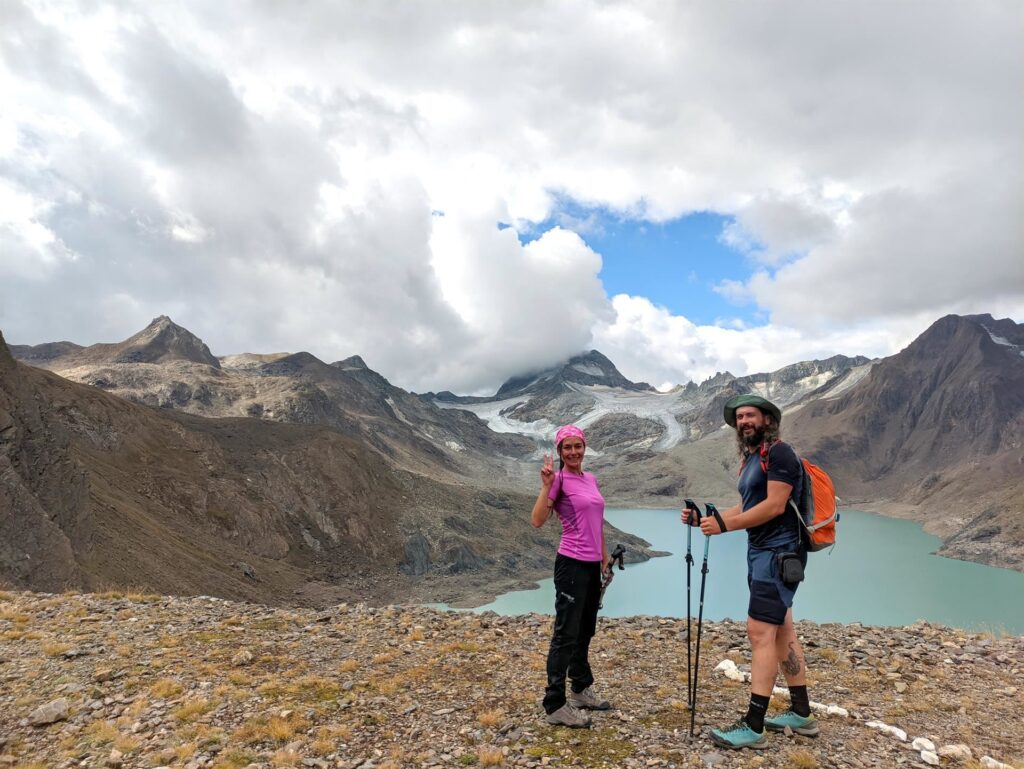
(816, 510)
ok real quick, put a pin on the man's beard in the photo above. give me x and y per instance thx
(752, 439)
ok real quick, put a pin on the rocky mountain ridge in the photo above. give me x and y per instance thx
(938, 429)
(167, 366)
(634, 417)
(96, 490)
(160, 342)
(930, 433)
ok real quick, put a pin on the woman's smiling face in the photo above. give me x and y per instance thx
(571, 452)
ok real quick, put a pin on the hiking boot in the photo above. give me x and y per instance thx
(805, 725)
(588, 699)
(739, 735)
(569, 716)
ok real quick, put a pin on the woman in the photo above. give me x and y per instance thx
(581, 561)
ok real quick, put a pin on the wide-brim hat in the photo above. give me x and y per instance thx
(757, 401)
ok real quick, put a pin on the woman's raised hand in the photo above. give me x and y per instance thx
(547, 471)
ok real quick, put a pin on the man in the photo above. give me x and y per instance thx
(770, 476)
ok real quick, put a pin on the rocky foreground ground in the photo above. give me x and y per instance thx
(122, 680)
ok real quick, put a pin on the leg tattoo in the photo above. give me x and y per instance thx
(791, 665)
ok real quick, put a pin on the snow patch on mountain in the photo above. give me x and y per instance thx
(491, 412)
(1003, 341)
(588, 368)
(661, 407)
(397, 411)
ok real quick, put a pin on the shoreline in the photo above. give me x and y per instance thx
(919, 601)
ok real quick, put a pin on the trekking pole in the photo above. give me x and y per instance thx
(691, 507)
(709, 509)
(615, 557)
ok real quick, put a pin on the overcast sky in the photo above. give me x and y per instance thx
(439, 186)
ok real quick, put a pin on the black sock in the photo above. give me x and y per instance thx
(799, 702)
(755, 712)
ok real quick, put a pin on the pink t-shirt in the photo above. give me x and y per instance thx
(580, 509)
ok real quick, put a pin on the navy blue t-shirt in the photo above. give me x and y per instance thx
(785, 466)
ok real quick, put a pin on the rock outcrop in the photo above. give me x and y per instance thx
(935, 431)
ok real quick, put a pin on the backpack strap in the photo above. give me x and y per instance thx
(790, 504)
(766, 446)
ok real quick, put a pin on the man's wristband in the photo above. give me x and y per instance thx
(721, 521)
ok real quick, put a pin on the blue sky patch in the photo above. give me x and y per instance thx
(676, 264)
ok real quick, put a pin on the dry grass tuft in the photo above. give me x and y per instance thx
(348, 666)
(234, 759)
(55, 649)
(307, 689)
(127, 743)
(489, 755)
(15, 616)
(168, 641)
(801, 759)
(101, 732)
(491, 718)
(185, 751)
(109, 595)
(829, 655)
(274, 729)
(191, 710)
(142, 597)
(136, 707)
(462, 646)
(285, 757)
(165, 688)
(317, 688)
(280, 729)
(322, 744)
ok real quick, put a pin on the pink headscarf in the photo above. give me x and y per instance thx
(569, 431)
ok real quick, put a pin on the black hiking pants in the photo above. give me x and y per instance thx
(577, 593)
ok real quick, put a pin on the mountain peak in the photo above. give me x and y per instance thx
(353, 361)
(963, 333)
(164, 340)
(587, 368)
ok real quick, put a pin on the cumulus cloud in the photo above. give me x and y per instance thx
(956, 247)
(651, 344)
(333, 180)
(772, 229)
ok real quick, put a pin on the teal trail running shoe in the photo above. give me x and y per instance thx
(805, 725)
(739, 735)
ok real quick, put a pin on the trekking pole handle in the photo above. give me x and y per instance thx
(692, 506)
(712, 510)
(606, 577)
(616, 557)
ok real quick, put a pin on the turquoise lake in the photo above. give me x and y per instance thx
(883, 571)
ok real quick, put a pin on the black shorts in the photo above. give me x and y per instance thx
(770, 597)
